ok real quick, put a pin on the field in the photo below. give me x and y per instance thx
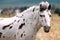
(54, 33)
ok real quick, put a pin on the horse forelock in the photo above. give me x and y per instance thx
(44, 5)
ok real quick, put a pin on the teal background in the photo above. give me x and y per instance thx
(18, 3)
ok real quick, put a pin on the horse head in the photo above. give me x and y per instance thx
(45, 15)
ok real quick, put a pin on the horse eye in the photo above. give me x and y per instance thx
(49, 15)
(42, 15)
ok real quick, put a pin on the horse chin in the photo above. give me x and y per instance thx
(46, 29)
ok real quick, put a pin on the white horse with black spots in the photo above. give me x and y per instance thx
(25, 25)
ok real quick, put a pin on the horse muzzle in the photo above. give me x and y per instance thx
(47, 29)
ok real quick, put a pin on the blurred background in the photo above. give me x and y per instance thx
(8, 7)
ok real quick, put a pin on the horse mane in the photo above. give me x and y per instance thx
(29, 9)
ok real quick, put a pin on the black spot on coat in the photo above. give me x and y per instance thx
(18, 20)
(0, 34)
(10, 27)
(6, 26)
(3, 36)
(33, 9)
(21, 25)
(24, 34)
(15, 36)
(21, 35)
(23, 19)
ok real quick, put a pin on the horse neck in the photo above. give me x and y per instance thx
(31, 16)
(34, 17)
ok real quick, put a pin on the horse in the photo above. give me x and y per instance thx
(25, 25)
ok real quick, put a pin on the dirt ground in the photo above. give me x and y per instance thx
(54, 33)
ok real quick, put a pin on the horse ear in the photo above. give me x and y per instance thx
(49, 7)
